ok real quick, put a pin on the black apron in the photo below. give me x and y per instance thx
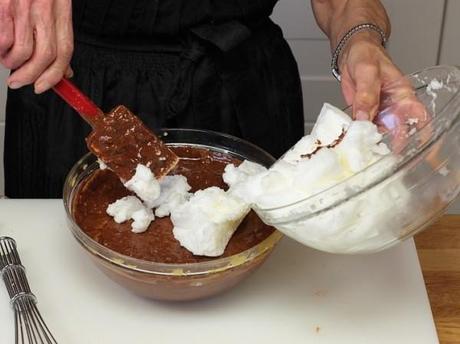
(221, 65)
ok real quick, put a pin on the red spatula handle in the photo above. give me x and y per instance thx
(77, 100)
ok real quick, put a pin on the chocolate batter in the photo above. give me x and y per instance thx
(203, 168)
(122, 141)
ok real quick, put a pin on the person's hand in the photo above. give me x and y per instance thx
(36, 41)
(367, 74)
(365, 69)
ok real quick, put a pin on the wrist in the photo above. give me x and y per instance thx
(365, 36)
(360, 38)
(366, 33)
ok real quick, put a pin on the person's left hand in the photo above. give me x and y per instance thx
(365, 69)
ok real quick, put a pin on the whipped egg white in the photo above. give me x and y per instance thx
(205, 223)
(303, 193)
(144, 185)
(131, 208)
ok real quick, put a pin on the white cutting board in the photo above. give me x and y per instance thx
(299, 296)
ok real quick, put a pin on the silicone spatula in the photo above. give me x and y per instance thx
(119, 138)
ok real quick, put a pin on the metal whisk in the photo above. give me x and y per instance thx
(29, 325)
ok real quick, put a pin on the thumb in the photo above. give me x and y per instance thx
(367, 96)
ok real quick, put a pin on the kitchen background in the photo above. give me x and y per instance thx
(424, 33)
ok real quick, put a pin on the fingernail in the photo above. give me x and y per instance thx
(69, 73)
(41, 87)
(14, 85)
(362, 115)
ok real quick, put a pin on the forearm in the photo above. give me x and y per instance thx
(336, 17)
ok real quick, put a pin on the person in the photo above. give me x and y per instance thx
(219, 65)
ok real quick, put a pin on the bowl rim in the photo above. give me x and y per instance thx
(401, 162)
(155, 268)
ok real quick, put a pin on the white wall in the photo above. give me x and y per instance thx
(417, 35)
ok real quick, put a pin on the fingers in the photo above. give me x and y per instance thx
(414, 111)
(392, 122)
(367, 96)
(377, 86)
(6, 27)
(44, 53)
(49, 54)
(348, 87)
(64, 48)
(23, 44)
(403, 118)
(396, 87)
(433, 158)
(69, 72)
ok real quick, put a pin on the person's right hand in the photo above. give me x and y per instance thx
(36, 41)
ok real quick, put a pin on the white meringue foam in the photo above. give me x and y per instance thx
(339, 156)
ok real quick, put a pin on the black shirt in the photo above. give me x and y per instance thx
(160, 17)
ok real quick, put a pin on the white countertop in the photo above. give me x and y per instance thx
(298, 296)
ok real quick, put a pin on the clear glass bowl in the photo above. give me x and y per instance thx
(176, 282)
(408, 190)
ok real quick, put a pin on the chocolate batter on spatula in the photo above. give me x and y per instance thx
(119, 138)
(122, 141)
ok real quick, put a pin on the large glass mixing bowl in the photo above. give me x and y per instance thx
(402, 193)
(176, 282)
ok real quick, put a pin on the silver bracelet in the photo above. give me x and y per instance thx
(346, 37)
